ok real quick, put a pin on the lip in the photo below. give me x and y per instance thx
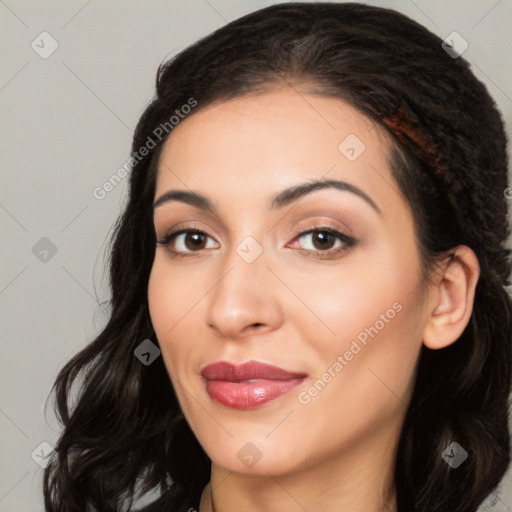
(249, 385)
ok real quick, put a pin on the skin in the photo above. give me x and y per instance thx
(291, 309)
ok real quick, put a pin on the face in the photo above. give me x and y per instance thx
(322, 283)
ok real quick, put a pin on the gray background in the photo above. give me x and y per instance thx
(67, 122)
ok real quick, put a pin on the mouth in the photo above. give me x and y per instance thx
(249, 385)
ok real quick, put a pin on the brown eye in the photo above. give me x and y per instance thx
(186, 241)
(194, 240)
(324, 242)
(323, 239)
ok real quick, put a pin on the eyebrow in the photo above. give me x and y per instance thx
(280, 200)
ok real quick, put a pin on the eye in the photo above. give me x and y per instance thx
(320, 242)
(186, 241)
(324, 242)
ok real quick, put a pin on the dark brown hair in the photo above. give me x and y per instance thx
(448, 156)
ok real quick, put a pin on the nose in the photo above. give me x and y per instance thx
(244, 302)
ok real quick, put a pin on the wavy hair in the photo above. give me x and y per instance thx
(123, 430)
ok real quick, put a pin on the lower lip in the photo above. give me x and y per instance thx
(249, 395)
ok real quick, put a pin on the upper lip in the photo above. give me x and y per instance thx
(225, 371)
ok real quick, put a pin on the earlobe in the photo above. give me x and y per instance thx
(450, 302)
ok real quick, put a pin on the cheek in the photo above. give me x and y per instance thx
(173, 293)
(160, 300)
(170, 298)
(345, 301)
(364, 373)
(171, 301)
(370, 318)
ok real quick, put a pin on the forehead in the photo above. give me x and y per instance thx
(256, 144)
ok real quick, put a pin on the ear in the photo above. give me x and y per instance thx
(451, 297)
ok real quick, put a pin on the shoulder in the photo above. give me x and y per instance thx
(172, 500)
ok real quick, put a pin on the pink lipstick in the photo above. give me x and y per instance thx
(249, 385)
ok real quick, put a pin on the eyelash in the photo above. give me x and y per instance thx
(348, 242)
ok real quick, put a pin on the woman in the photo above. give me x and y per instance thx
(341, 338)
